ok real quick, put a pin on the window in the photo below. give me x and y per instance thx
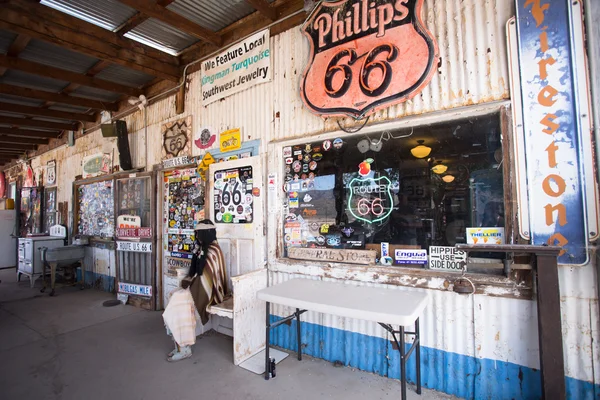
(415, 188)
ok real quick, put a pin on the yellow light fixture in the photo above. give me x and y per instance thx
(421, 151)
(439, 168)
(448, 178)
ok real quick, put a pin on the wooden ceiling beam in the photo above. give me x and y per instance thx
(264, 8)
(13, 139)
(56, 97)
(29, 133)
(21, 122)
(132, 23)
(44, 112)
(44, 23)
(62, 74)
(152, 9)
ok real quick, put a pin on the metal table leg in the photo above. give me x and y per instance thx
(298, 333)
(404, 355)
(268, 325)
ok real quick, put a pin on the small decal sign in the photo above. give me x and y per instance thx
(411, 256)
(51, 173)
(230, 140)
(131, 288)
(447, 258)
(139, 247)
(366, 55)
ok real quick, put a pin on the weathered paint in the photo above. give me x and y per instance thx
(481, 346)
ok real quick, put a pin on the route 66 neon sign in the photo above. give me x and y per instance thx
(370, 199)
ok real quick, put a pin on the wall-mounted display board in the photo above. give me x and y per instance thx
(95, 212)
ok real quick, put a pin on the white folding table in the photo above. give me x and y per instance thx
(387, 307)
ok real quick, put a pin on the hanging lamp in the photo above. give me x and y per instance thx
(420, 151)
(448, 178)
(439, 168)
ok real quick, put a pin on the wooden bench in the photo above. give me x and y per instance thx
(246, 313)
(385, 306)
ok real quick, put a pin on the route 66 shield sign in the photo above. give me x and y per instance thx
(366, 55)
(370, 199)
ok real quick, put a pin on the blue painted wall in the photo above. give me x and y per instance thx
(472, 378)
(98, 281)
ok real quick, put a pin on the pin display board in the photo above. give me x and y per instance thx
(95, 209)
(233, 202)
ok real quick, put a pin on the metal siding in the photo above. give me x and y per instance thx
(124, 76)
(161, 35)
(212, 14)
(56, 56)
(6, 39)
(18, 78)
(135, 267)
(108, 14)
(68, 108)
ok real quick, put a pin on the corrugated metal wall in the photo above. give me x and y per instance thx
(475, 346)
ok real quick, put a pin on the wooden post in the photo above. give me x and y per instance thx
(180, 99)
(549, 313)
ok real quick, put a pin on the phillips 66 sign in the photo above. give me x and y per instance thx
(366, 54)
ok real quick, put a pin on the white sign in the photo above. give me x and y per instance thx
(447, 258)
(410, 256)
(240, 67)
(176, 162)
(131, 288)
(140, 247)
(272, 182)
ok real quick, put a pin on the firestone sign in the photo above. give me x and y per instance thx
(365, 55)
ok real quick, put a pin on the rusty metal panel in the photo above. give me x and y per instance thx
(108, 14)
(125, 76)
(212, 14)
(162, 36)
(56, 56)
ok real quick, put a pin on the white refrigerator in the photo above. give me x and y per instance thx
(8, 243)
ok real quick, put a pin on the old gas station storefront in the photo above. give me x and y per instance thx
(361, 147)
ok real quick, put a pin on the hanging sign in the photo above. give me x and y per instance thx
(133, 232)
(238, 68)
(366, 55)
(364, 257)
(230, 140)
(555, 127)
(2, 184)
(51, 173)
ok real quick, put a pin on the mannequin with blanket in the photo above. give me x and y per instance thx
(208, 285)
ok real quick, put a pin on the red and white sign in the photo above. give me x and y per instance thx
(366, 55)
(134, 232)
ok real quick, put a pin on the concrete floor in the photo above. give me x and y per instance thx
(71, 347)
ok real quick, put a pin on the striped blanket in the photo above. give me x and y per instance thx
(212, 286)
(180, 317)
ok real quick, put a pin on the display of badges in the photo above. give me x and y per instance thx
(235, 198)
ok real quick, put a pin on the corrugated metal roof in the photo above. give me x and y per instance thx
(55, 56)
(6, 39)
(107, 14)
(68, 108)
(159, 35)
(124, 76)
(95, 94)
(212, 14)
(7, 98)
(18, 78)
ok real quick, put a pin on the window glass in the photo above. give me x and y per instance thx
(412, 189)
